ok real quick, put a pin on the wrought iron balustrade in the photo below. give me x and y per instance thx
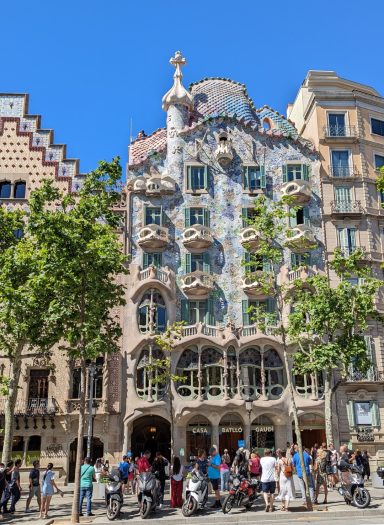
(346, 207)
(340, 131)
(32, 406)
(342, 171)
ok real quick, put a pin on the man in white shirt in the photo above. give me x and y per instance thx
(268, 483)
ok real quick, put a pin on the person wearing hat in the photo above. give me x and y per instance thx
(214, 474)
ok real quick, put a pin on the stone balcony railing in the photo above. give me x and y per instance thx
(153, 237)
(301, 238)
(152, 185)
(298, 190)
(197, 237)
(197, 284)
(346, 208)
(249, 236)
(99, 405)
(154, 273)
(258, 285)
(33, 406)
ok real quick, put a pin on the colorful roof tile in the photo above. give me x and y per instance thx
(141, 148)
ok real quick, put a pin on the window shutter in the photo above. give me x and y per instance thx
(209, 317)
(206, 264)
(375, 414)
(187, 217)
(189, 177)
(245, 178)
(267, 267)
(352, 237)
(157, 259)
(295, 259)
(285, 173)
(342, 238)
(292, 218)
(188, 262)
(271, 307)
(206, 218)
(263, 178)
(185, 310)
(244, 216)
(307, 220)
(351, 413)
(206, 177)
(245, 308)
(305, 169)
(145, 260)
(247, 260)
(162, 216)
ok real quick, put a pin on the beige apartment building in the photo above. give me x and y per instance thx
(345, 122)
(190, 188)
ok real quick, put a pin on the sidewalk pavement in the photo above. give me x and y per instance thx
(61, 511)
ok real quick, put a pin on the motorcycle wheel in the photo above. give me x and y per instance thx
(228, 504)
(113, 509)
(189, 507)
(361, 498)
(145, 509)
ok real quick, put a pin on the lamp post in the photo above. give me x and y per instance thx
(91, 371)
(248, 408)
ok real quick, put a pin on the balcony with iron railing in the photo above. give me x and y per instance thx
(346, 207)
(340, 133)
(371, 375)
(33, 406)
(343, 171)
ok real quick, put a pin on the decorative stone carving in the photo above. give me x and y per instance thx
(224, 150)
(177, 94)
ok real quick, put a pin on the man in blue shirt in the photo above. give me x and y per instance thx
(307, 465)
(124, 471)
(214, 474)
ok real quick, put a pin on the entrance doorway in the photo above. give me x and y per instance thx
(97, 451)
(263, 434)
(312, 428)
(151, 433)
(230, 432)
(198, 435)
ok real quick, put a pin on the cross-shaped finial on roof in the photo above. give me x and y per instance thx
(178, 60)
(177, 94)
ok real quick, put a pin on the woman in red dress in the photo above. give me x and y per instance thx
(177, 484)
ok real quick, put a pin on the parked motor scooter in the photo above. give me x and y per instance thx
(196, 495)
(149, 495)
(243, 493)
(352, 485)
(114, 494)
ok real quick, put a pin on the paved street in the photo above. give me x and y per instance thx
(335, 510)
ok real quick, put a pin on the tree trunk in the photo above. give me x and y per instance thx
(79, 451)
(10, 405)
(297, 428)
(172, 422)
(328, 407)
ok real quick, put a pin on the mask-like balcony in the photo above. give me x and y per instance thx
(197, 284)
(249, 236)
(224, 151)
(298, 190)
(153, 237)
(154, 185)
(301, 239)
(197, 237)
(258, 285)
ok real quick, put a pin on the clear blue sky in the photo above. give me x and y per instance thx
(90, 66)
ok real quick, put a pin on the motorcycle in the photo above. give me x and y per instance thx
(149, 495)
(243, 493)
(196, 495)
(352, 486)
(113, 495)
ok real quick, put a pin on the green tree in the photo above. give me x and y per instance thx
(165, 376)
(270, 220)
(29, 326)
(78, 232)
(328, 324)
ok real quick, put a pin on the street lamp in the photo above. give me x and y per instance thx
(248, 408)
(91, 371)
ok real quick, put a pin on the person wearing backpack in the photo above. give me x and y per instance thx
(34, 485)
(285, 471)
(321, 473)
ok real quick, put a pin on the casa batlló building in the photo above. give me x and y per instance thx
(190, 188)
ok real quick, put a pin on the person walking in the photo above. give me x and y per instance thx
(177, 477)
(159, 464)
(87, 477)
(34, 485)
(254, 465)
(284, 471)
(131, 475)
(214, 475)
(143, 464)
(14, 486)
(47, 491)
(367, 469)
(6, 492)
(320, 471)
(307, 466)
(268, 483)
(124, 472)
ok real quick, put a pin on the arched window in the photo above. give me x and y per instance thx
(274, 376)
(188, 367)
(152, 313)
(146, 375)
(5, 190)
(250, 373)
(19, 192)
(212, 365)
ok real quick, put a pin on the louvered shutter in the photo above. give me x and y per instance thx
(145, 261)
(263, 178)
(244, 216)
(285, 173)
(351, 233)
(351, 413)
(305, 169)
(206, 218)
(292, 218)
(206, 177)
(206, 263)
(210, 317)
(187, 217)
(188, 262)
(295, 260)
(267, 266)
(306, 219)
(189, 178)
(162, 216)
(185, 310)
(245, 311)
(375, 414)
(342, 238)
(245, 178)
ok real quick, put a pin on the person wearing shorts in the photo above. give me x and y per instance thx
(268, 483)
(34, 486)
(214, 475)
